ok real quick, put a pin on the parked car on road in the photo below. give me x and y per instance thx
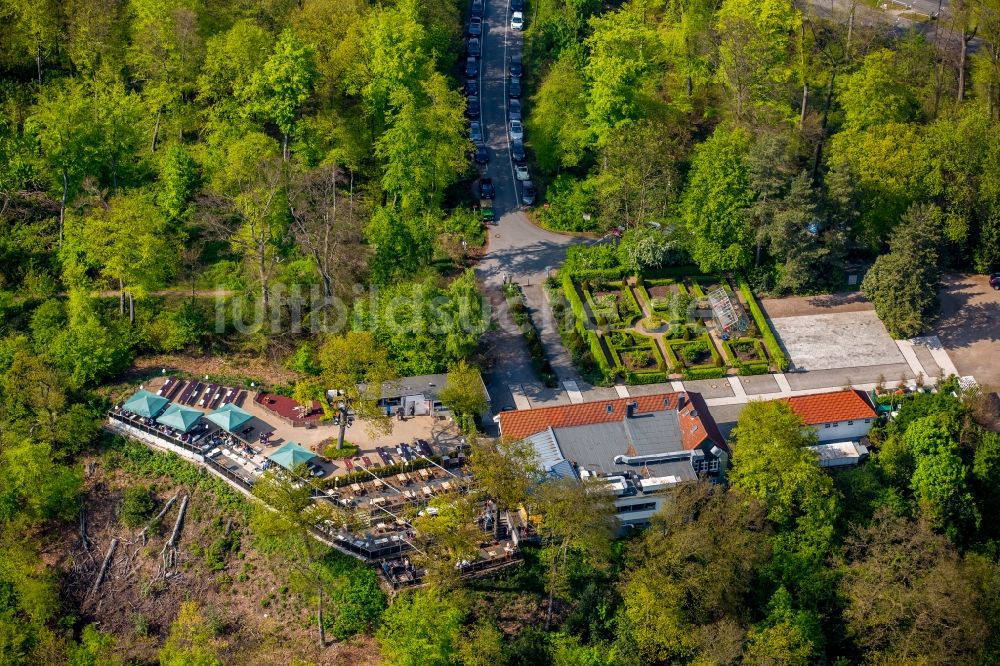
(517, 150)
(514, 88)
(517, 21)
(471, 66)
(476, 132)
(471, 86)
(515, 66)
(472, 107)
(475, 26)
(474, 46)
(517, 5)
(528, 193)
(521, 172)
(486, 190)
(516, 129)
(477, 8)
(995, 280)
(515, 109)
(482, 154)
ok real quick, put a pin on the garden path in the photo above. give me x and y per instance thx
(656, 335)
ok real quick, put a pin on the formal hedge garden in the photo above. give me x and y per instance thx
(609, 322)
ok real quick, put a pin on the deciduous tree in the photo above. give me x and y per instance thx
(355, 367)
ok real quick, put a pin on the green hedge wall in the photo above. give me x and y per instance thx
(778, 357)
(575, 304)
(704, 372)
(645, 378)
(672, 272)
(633, 301)
(598, 274)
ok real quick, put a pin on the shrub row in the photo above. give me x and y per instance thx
(635, 306)
(704, 372)
(519, 313)
(672, 272)
(754, 368)
(575, 304)
(645, 377)
(778, 357)
(598, 274)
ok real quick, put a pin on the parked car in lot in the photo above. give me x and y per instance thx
(517, 150)
(471, 86)
(476, 132)
(475, 26)
(486, 190)
(516, 129)
(514, 111)
(471, 66)
(474, 47)
(472, 107)
(528, 193)
(482, 154)
(517, 21)
(477, 8)
(995, 280)
(521, 172)
(514, 88)
(515, 66)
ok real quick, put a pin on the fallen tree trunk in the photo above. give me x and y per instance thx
(105, 565)
(158, 517)
(169, 552)
(177, 524)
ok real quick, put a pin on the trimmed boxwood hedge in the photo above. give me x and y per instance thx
(645, 377)
(778, 357)
(704, 372)
(598, 274)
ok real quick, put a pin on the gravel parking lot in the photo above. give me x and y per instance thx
(969, 326)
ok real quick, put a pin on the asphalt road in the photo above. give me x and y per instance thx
(517, 250)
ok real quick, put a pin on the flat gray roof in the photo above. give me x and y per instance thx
(596, 446)
(428, 386)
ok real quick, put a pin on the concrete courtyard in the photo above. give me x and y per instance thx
(836, 340)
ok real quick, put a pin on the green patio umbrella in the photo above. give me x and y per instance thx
(229, 417)
(145, 403)
(179, 418)
(291, 455)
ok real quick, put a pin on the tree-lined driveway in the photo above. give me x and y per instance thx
(517, 249)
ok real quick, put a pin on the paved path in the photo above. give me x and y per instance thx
(517, 250)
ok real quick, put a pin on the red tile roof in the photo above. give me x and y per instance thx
(696, 424)
(831, 407)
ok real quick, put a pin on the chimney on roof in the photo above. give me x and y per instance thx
(681, 398)
(631, 408)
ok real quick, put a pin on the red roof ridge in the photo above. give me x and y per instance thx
(831, 407)
(694, 430)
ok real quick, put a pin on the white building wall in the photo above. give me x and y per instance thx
(843, 430)
(637, 517)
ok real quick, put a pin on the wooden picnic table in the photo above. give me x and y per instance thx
(427, 491)
(355, 487)
(423, 473)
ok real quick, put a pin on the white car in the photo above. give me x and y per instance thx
(517, 21)
(521, 172)
(516, 129)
